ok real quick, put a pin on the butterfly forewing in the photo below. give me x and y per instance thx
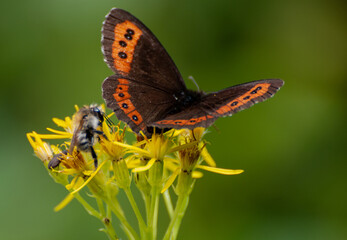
(132, 50)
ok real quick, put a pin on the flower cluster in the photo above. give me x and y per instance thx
(173, 159)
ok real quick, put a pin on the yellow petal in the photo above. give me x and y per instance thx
(37, 142)
(221, 170)
(79, 183)
(72, 183)
(58, 135)
(106, 130)
(65, 202)
(133, 163)
(170, 165)
(197, 174)
(171, 180)
(59, 132)
(88, 172)
(59, 122)
(68, 171)
(144, 168)
(110, 115)
(136, 149)
(207, 157)
(31, 141)
(90, 178)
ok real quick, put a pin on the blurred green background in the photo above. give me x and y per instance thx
(291, 147)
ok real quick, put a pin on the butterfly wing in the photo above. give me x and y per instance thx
(146, 79)
(131, 49)
(134, 102)
(223, 103)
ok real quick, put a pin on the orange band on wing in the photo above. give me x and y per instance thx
(126, 35)
(258, 90)
(123, 81)
(136, 117)
(127, 106)
(182, 122)
(123, 98)
(121, 92)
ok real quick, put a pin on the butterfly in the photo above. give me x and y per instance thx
(147, 91)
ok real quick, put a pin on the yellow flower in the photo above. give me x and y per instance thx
(108, 145)
(41, 149)
(155, 149)
(191, 158)
(72, 163)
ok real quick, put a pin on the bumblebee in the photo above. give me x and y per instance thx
(86, 121)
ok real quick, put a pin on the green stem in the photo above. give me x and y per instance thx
(101, 206)
(129, 231)
(109, 230)
(147, 200)
(142, 224)
(168, 203)
(153, 212)
(155, 176)
(108, 224)
(181, 206)
(90, 210)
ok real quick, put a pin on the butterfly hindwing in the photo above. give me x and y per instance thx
(223, 103)
(131, 49)
(191, 117)
(135, 103)
(236, 98)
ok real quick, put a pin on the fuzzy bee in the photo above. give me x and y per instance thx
(87, 121)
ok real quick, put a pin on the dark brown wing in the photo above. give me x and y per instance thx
(130, 49)
(134, 102)
(223, 103)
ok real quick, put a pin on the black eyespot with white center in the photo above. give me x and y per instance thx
(128, 36)
(124, 105)
(258, 88)
(246, 98)
(122, 55)
(130, 31)
(122, 43)
(234, 103)
(254, 92)
(135, 118)
(121, 94)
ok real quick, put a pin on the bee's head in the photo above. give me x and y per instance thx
(97, 111)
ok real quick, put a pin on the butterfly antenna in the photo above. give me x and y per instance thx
(196, 84)
(215, 127)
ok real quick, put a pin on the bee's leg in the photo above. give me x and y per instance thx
(92, 151)
(100, 133)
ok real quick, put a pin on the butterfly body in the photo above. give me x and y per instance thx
(147, 89)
